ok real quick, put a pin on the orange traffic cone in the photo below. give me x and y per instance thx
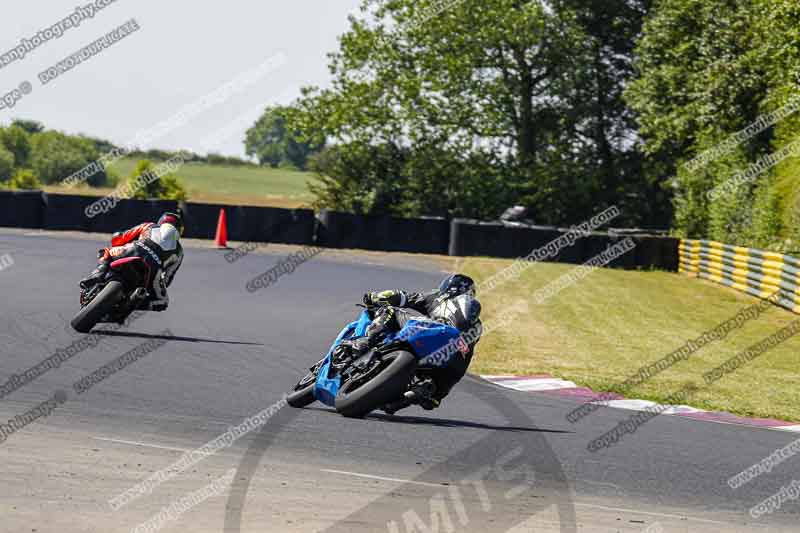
(221, 239)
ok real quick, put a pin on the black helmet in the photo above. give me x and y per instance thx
(457, 284)
(461, 312)
(172, 219)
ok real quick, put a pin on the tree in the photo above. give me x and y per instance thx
(18, 141)
(31, 126)
(56, 156)
(274, 144)
(6, 163)
(499, 83)
(707, 70)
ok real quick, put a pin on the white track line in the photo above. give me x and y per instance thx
(579, 504)
(142, 444)
(395, 480)
(634, 511)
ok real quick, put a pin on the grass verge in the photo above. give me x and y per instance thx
(603, 329)
(219, 184)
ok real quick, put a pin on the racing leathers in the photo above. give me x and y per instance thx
(392, 310)
(159, 246)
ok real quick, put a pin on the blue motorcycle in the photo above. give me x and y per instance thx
(386, 377)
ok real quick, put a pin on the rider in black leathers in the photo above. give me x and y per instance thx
(394, 308)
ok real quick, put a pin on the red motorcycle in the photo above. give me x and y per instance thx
(125, 286)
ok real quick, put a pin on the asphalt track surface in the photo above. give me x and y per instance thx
(489, 460)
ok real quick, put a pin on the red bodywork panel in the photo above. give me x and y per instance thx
(120, 262)
(130, 261)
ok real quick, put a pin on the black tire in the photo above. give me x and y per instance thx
(303, 394)
(89, 316)
(387, 387)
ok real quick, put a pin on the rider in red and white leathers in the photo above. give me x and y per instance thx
(159, 244)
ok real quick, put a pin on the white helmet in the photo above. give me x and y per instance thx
(165, 236)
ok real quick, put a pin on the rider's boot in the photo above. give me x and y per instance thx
(421, 394)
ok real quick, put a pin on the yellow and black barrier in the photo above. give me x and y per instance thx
(756, 272)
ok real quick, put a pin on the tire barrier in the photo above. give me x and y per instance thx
(251, 224)
(383, 233)
(21, 209)
(755, 272)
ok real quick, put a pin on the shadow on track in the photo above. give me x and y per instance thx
(169, 337)
(441, 422)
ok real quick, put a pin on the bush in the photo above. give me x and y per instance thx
(172, 189)
(6, 164)
(230, 161)
(167, 187)
(25, 179)
(216, 159)
(113, 177)
(158, 155)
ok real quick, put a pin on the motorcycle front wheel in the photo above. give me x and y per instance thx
(103, 303)
(303, 394)
(356, 399)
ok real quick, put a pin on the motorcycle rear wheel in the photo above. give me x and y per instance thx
(104, 303)
(388, 386)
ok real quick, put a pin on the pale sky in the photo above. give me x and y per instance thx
(183, 51)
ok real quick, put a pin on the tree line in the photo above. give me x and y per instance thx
(32, 156)
(565, 106)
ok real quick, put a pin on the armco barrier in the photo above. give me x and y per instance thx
(21, 209)
(251, 224)
(383, 233)
(755, 272)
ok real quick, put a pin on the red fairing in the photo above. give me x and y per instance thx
(131, 235)
(131, 260)
(120, 262)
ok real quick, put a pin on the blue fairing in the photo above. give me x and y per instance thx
(435, 344)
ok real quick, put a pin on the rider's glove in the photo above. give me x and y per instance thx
(385, 298)
(369, 299)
